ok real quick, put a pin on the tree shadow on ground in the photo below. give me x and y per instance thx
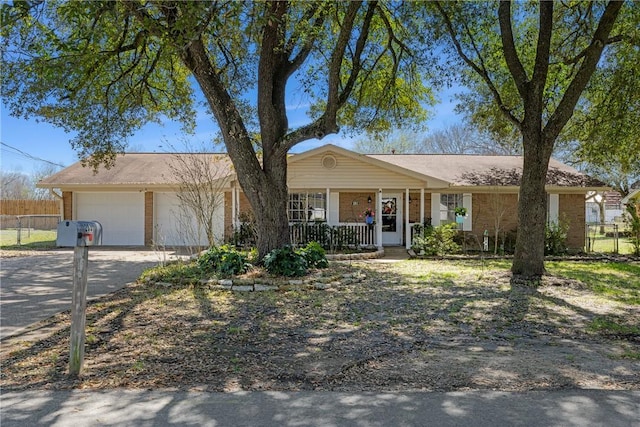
(392, 331)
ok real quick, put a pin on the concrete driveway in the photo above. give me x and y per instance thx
(35, 287)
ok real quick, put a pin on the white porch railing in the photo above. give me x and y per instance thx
(341, 235)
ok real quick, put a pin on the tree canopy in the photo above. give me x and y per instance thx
(105, 68)
(527, 65)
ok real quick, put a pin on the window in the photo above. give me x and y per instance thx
(305, 207)
(448, 205)
(389, 212)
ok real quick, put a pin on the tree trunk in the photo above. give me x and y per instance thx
(603, 213)
(528, 260)
(269, 202)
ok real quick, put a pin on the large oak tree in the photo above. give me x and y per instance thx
(529, 63)
(105, 68)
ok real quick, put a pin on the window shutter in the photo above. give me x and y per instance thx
(467, 199)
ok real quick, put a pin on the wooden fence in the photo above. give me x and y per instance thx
(29, 207)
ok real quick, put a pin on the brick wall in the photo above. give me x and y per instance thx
(67, 205)
(485, 208)
(245, 207)
(414, 207)
(148, 218)
(572, 209)
(350, 212)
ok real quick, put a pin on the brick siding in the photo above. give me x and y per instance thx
(245, 208)
(148, 218)
(572, 208)
(485, 208)
(67, 205)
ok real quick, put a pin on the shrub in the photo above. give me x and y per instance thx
(285, 262)
(437, 240)
(555, 237)
(315, 255)
(223, 260)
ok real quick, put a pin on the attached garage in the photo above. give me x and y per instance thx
(176, 225)
(120, 213)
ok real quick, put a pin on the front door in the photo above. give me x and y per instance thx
(391, 219)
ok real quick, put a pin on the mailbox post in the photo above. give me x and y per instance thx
(79, 235)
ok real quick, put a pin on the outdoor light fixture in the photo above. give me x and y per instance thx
(369, 199)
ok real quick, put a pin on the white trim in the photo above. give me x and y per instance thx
(234, 219)
(333, 211)
(421, 219)
(635, 193)
(407, 227)
(435, 209)
(554, 208)
(467, 202)
(379, 218)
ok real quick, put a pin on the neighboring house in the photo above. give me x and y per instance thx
(605, 205)
(635, 195)
(136, 199)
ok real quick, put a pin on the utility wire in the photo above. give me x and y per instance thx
(29, 156)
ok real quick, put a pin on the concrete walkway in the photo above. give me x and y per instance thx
(38, 286)
(393, 254)
(166, 408)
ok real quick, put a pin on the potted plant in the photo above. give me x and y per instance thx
(461, 214)
(369, 216)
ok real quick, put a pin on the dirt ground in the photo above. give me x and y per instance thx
(378, 327)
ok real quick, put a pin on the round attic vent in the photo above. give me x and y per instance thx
(329, 162)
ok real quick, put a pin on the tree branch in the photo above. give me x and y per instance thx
(480, 70)
(510, 53)
(541, 65)
(567, 104)
(309, 40)
(578, 57)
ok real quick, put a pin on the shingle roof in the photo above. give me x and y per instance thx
(458, 170)
(476, 170)
(135, 169)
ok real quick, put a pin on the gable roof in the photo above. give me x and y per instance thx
(478, 170)
(366, 158)
(135, 169)
(440, 170)
(633, 194)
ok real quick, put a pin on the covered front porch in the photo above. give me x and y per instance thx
(355, 218)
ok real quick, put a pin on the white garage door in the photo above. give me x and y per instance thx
(176, 225)
(120, 214)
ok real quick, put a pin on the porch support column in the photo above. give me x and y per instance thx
(421, 219)
(327, 205)
(235, 215)
(379, 219)
(407, 226)
(234, 202)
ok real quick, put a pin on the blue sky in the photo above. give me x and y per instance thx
(44, 141)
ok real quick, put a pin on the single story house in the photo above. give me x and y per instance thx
(137, 203)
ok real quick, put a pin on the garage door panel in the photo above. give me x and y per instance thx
(120, 214)
(176, 225)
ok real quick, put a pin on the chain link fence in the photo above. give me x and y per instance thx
(25, 229)
(608, 238)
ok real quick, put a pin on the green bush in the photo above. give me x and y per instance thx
(315, 255)
(555, 237)
(439, 240)
(285, 262)
(223, 260)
